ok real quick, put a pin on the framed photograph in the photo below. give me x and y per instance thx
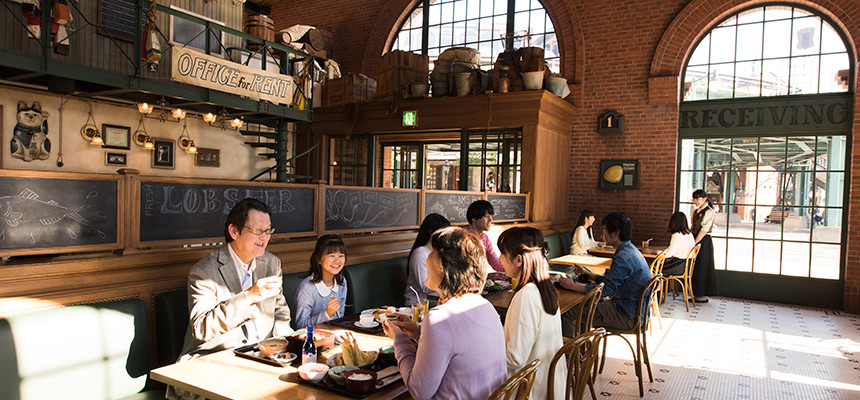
(619, 174)
(116, 137)
(163, 153)
(207, 157)
(115, 158)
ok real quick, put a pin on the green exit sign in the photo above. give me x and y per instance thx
(410, 118)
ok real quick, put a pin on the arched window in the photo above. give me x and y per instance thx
(487, 25)
(768, 51)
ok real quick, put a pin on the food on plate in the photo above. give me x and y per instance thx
(352, 355)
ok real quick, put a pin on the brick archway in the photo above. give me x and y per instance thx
(570, 37)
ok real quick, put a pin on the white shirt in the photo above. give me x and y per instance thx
(246, 278)
(532, 333)
(581, 241)
(325, 291)
(680, 245)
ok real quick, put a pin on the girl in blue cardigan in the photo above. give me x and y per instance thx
(322, 295)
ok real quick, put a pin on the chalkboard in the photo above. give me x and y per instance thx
(367, 208)
(37, 212)
(451, 205)
(508, 207)
(184, 211)
(116, 18)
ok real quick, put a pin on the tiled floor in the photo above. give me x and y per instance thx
(738, 349)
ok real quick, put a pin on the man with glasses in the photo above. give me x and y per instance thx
(234, 293)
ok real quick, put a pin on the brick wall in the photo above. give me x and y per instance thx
(627, 58)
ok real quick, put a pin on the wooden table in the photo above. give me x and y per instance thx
(567, 299)
(225, 376)
(650, 253)
(598, 265)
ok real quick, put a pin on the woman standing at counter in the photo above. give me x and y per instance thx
(704, 274)
(583, 237)
(461, 345)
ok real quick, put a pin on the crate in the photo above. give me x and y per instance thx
(399, 68)
(352, 88)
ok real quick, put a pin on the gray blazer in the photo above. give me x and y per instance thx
(219, 308)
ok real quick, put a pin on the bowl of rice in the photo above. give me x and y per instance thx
(360, 380)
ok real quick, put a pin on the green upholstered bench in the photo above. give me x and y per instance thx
(91, 351)
(290, 285)
(559, 245)
(171, 322)
(376, 283)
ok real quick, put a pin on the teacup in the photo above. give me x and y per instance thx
(365, 319)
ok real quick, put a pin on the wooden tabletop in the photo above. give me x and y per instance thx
(566, 299)
(649, 253)
(598, 265)
(225, 376)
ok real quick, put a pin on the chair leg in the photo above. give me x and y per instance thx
(591, 387)
(690, 286)
(637, 361)
(603, 358)
(647, 360)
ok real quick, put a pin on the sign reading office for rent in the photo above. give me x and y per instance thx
(195, 68)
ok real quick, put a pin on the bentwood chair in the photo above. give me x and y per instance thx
(518, 386)
(656, 269)
(585, 313)
(685, 280)
(640, 354)
(581, 354)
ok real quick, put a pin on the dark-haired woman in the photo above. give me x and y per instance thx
(680, 244)
(416, 272)
(322, 295)
(583, 237)
(533, 320)
(704, 273)
(461, 345)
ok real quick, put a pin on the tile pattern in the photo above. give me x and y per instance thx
(739, 349)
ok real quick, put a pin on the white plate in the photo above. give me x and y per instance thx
(372, 325)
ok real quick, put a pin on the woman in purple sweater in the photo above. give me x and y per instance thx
(461, 344)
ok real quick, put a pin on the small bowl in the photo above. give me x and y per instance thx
(325, 341)
(336, 373)
(272, 346)
(313, 372)
(386, 354)
(359, 386)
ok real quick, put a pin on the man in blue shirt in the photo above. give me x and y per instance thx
(623, 282)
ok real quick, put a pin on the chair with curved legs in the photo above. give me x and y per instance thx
(656, 269)
(585, 313)
(581, 354)
(685, 280)
(640, 353)
(518, 386)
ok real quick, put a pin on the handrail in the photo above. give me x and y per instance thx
(291, 159)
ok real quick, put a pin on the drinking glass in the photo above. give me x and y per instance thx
(417, 312)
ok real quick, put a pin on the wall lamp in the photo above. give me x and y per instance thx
(185, 142)
(141, 137)
(90, 130)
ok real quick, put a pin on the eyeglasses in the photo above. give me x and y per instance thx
(260, 232)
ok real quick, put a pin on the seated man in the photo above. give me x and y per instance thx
(623, 282)
(234, 293)
(480, 217)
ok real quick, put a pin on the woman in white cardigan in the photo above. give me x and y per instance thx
(583, 237)
(679, 246)
(533, 320)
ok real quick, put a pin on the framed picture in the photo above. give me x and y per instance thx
(116, 137)
(163, 153)
(207, 157)
(115, 158)
(619, 174)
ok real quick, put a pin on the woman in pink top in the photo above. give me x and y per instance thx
(461, 344)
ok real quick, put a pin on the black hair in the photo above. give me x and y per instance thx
(618, 222)
(699, 193)
(581, 221)
(238, 215)
(528, 242)
(678, 223)
(431, 223)
(326, 244)
(478, 210)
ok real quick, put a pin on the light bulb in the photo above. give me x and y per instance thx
(192, 149)
(236, 123)
(97, 139)
(148, 145)
(178, 113)
(209, 117)
(144, 108)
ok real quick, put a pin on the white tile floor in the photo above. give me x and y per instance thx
(738, 349)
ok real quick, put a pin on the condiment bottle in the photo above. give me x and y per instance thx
(309, 349)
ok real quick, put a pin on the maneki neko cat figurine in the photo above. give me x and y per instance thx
(30, 138)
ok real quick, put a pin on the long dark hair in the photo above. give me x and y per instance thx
(581, 221)
(326, 244)
(678, 223)
(699, 193)
(528, 243)
(431, 223)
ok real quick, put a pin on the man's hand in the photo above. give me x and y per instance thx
(264, 288)
(582, 271)
(332, 306)
(568, 283)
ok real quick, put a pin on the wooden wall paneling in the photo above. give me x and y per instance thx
(530, 170)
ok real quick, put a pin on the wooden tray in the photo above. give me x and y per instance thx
(329, 384)
(348, 322)
(252, 352)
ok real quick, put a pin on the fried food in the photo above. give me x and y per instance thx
(352, 355)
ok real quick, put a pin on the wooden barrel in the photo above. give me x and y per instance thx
(328, 39)
(260, 26)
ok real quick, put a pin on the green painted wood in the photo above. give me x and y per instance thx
(781, 289)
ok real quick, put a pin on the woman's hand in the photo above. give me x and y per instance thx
(391, 329)
(332, 306)
(406, 325)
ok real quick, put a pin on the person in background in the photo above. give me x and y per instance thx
(533, 321)
(322, 295)
(416, 272)
(235, 295)
(704, 274)
(461, 344)
(680, 244)
(583, 237)
(480, 217)
(623, 282)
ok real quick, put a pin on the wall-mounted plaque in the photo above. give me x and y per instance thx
(610, 122)
(619, 174)
(207, 157)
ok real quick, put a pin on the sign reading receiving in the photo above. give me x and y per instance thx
(195, 68)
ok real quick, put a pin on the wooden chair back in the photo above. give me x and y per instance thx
(581, 353)
(518, 386)
(657, 264)
(691, 260)
(585, 315)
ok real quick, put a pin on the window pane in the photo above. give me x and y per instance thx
(827, 225)
(766, 257)
(689, 182)
(754, 15)
(692, 154)
(825, 261)
(796, 224)
(749, 48)
(459, 10)
(834, 73)
(831, 42)
(719, 253)
(739, 258)
(723, 44)
(830, 188)
(472, 10)
(774, 81)
(721, 81)
(501, 7)
(832, 149)
(748, 79)
(776, 39)
(804, 75)
(435, 13)
(806, 36)
(700, 55)
(738, 226)
(696, 83)
(795, 259)
(777, 12)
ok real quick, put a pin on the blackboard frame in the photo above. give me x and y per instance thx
(121, 216)
(427, 211)
(523, 195)
(321, 223)
(136, 217)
